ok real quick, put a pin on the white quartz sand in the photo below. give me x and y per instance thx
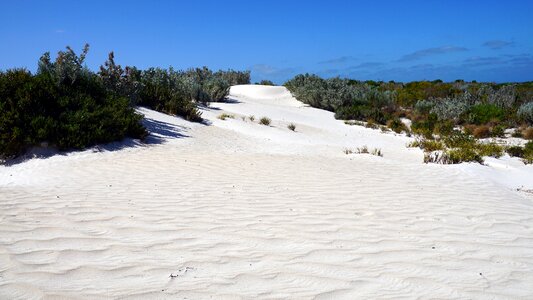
(235, 209)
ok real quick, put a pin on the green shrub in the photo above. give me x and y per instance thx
(444, 127)
(459, 155)
(425, 126)
(515, 151)
(490, 149)
(484, 113)
(498, 131)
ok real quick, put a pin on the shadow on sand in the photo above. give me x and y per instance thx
(159, 133)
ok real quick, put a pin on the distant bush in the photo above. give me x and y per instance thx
(525, 112)
(233, 77)
(252, 118)
(264, 121)
(266, 82)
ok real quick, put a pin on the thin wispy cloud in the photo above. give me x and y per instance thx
(59, 31)
(430, 52)
(482, 61)
(338, 60)
(367, 65)
(497, 44)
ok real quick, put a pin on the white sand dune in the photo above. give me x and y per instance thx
(238, 210)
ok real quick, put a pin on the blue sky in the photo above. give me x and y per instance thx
(378, 40)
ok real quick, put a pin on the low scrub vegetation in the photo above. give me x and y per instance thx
(435, 107)
(447, 117)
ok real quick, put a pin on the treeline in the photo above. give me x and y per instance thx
(67, 106)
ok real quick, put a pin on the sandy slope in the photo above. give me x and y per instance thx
(240, 210)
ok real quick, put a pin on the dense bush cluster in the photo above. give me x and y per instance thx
(177, 92)
(349, 99)
(66, 105)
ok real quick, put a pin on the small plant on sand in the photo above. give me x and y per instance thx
(376, 152)
(354, 122)
(251, 118)
(224, 116)
(291, 126)
(363, 150)
(265, 121)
